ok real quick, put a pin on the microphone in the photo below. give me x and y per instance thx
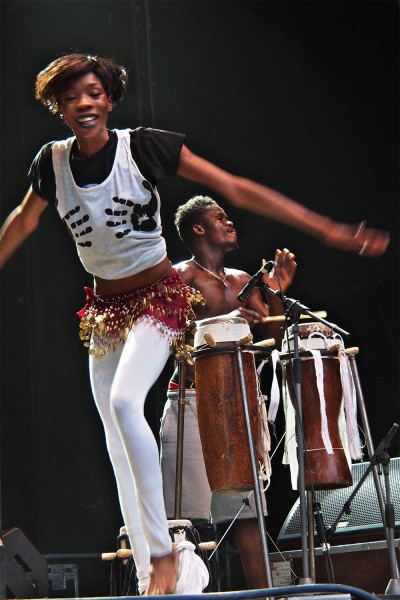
(253, 281)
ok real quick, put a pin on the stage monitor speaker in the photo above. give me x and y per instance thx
(365, 517)
(25, 568)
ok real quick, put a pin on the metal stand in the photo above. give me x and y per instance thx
(253, 463)
(387, 511)
(293, 308)
(297, 376)
(180, 432)
(367, 432)
(310, 522)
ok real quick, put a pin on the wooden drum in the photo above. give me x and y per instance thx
(219, 404)
(323, 469)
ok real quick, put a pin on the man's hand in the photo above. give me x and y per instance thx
(285, 269)
(251, 316)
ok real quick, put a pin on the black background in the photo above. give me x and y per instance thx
(300, 95)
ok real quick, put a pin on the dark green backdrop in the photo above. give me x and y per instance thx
(300, 95)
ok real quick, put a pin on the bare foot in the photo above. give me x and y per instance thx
(164, 574)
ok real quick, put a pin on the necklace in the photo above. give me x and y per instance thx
(221, 279)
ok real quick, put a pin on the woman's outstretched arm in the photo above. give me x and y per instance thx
(20, 224)
(262, 200)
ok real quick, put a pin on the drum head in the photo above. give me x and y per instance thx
(222, 329)
(306, 329)
(313, 336)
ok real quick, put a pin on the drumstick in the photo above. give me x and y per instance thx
(268, 342)
(318, 313)
(354, 350)
(125, 553)
(207, 545)
(108, 555)
(121, 553)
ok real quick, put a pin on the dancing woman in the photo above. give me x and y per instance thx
(103, 184)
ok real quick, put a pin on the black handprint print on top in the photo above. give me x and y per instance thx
(119, 213)
(139, 214)
(75, 226)
(141, 217)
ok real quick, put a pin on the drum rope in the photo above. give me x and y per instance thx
(265, 469)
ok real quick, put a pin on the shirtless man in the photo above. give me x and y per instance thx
(205, 228)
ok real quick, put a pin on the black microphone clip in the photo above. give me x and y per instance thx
(255, 281)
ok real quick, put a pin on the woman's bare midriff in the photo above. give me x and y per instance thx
(126, 284)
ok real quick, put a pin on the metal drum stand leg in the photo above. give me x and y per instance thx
(253, 463)
(180, 433)
(351, 352)
(386, 510)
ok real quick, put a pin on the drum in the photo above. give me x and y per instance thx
(194, 571)
(325, 463)
(220, 407)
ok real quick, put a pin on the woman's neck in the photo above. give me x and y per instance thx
(87, 147)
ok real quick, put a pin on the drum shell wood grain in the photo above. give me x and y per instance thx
(325, 471)
(221, 419)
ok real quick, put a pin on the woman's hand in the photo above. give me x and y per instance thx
(363, 240)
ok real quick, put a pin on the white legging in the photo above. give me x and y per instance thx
(120, 382)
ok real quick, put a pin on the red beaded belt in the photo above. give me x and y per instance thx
(107, 320)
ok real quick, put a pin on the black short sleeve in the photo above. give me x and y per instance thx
(41, 174)
(156, 152)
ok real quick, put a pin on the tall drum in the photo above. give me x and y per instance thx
(220, 407)
(326, 465)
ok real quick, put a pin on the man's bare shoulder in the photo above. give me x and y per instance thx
(186, 270)
(237, 273)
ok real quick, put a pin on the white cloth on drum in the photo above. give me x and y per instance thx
(193, 575)
(290, 451)
(347, 421)
(350, 436)
(319, 373)
(275, 395)
(350, 407)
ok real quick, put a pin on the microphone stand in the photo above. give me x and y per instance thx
(293, 309)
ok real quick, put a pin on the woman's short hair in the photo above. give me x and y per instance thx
(61, 72)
